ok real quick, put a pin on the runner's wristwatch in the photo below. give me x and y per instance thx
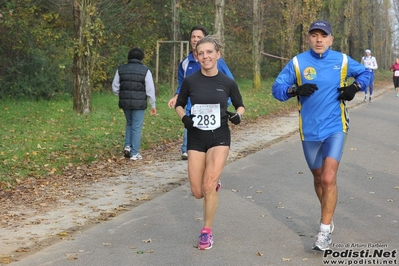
(292, 90)
(357, 84)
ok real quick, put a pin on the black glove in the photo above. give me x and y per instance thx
(306, 89)
(348, 93)
(234, 118)
(187, 121)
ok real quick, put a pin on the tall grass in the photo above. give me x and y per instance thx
(41, 138)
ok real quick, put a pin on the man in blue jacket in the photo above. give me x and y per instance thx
(188, 66)
(317, 78)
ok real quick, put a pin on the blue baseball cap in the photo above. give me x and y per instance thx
(321, 25)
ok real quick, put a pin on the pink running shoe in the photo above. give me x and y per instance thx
(206, 241)
(218, 186)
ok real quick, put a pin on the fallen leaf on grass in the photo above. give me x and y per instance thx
(5, 259)
(72, 256)
(24, 249)
(109, 214)
(144, 198)
(121, 208)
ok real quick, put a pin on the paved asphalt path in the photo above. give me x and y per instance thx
(268, 212)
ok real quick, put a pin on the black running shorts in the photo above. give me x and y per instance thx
(203, 140)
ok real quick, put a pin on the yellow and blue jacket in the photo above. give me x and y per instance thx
(320, 114)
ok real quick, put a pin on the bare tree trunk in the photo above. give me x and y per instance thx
(81, 59)
(256, 47)
(291, 17)
(395, 7)
(308, 13)
(219, 22)
(175, 31)
(348, 15)
(386, 35)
